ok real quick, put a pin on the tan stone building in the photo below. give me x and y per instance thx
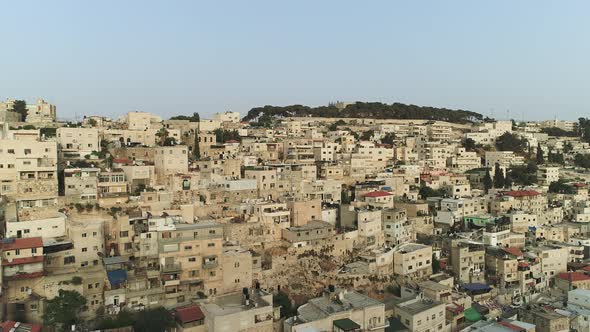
(170, 160)
(412, 260)
(76, 143)
(339, 310)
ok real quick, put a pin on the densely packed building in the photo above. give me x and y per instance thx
(302, 224)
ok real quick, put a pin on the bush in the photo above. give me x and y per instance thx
(79, 207)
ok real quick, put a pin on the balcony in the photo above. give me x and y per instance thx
(171, 268)
(210, 264)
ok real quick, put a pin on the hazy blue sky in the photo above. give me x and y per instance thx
(172, 57)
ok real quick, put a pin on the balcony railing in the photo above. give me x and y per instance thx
(171, 268)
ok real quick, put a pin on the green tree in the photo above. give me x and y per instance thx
(469, 144)
(20, 107)
(435, 264)
(561, 187)
(123, 319)
(162, 135)
(487, 181)
(223, 135)
(582, 160)
(556, 158)
(153, 320)
(388, 138)
(196, 148)
(499, 180)
(568, 147)
(64, 310)
(426, 192)
(540, 157)
(511, 142)
(193, 118)
(283, 300)
(366, 135)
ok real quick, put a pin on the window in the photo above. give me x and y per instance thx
(192, 259)
(84, 249)
(33, 250)
(69, 260)
(17, 252)
(210, 244)
(124, 234)
(84, 234)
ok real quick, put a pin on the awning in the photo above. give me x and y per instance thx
(472, 315)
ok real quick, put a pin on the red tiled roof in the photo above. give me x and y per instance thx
(579, 185)
(522, 193)
(232, 141)
(189, 314)
(513, 251)
(121, 161)
(26, 243)
(8, 325)
(379, 193)
(20, 276)
(523, 264)
(511, 326)
(20, 261)
(586, 268)
(573, 276)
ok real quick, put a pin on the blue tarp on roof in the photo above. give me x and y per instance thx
(476, 287)
(117, 277)
(386, 188)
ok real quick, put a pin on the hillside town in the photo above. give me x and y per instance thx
(348, 217)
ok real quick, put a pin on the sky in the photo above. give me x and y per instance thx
(505, 59)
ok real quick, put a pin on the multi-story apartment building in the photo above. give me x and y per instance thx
(250, 310)
(77, 143)
(28, 174)
(547, 174)
(413, 260)
(112, 184)
(339, 310)
(41, 112)
(142, 121)
(467, 261)
(421, 315)
(397, 228)
(170, 160)
(81, 185)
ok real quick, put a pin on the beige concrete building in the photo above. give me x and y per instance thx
(76, 143)
(421, 315)
(170, 160)
(339, 310)
(41, 112)
(28, 174)
(236, 266)
(303, 212)
(142, 121)
(467, 261)
(413, 260)
(313, 233)
(81, 185)
(252, 312)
